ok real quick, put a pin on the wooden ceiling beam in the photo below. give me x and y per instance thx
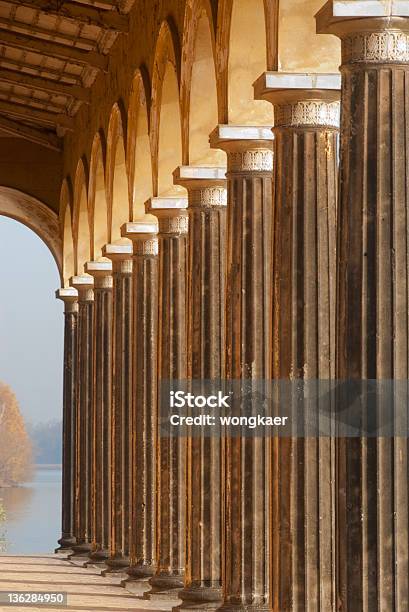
(65, 39)
(50, 141)
(73, 55)
(81, 13)
(29, 113)
(40, 84)
(22, 66)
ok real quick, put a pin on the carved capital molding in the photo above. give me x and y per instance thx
(253, 160)
(315, 113)
(85, 294)
(173, 223)
(208, 197)
(122, 266)
(146, 247)
(103, 282)
(375, 47)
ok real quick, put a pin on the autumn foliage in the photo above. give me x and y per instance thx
(15, 446)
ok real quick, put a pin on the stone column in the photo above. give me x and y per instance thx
(143, 534)
(373, 280)
(84, 397)
(171, 486)
(206, 355)
(70, 298)
(101, 415)
(306, 111)
(121, 256)
(248, 356)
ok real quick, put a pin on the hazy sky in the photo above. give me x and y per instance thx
(31, 322)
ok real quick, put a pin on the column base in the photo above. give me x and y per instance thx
(200, 598)
(116, 565)
(99, 556)
(231, 606)
(164, 587)
(80, 550)
(66, 543)
(138, 577)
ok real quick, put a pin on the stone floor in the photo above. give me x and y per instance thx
(86, 589)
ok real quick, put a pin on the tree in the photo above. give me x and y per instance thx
(15, 446)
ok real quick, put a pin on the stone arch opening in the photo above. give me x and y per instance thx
(68, 257)
(242, 64)
(97, 199)
(82, 232)
(166, 131)
(37, 216)
(31, 366)
(139, 148)
(299, 47)
(117, 177)
(200, 113)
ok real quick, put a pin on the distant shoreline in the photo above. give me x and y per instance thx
(48, 466)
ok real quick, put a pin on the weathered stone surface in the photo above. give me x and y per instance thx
(247, 530)
(83, 432)
(372, 310)
(121, 257)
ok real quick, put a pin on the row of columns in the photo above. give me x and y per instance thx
(244, 281)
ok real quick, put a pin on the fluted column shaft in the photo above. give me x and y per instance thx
(143, 535)
(305, 180)
(121, 257)
(70, 298)
(372, 311)
(84, 398)
(248, 356)
(171, 486)
(101, 416)
(206, 355)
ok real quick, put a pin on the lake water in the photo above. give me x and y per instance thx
(33, 514)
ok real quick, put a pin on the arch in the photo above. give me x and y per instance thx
(66, 207)
(199, 114)
(240, 65)
(166, 130)
(299, 47)
(117, 189)
(98, 207)
(139, 157)
(81, 222)
(35, 215)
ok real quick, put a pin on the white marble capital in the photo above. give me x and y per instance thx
(171, 213)
(206, 185)
(143, 236)
(285, 87)
(68, 295)
(249, 148)
(117, 250)
(84, 284)
(102, 273)
(343, 17)
(301, 100)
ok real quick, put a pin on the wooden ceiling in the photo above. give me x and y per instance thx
(50, 54)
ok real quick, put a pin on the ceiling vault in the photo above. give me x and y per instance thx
(50, 141)
(29, 113)
(49, 48)
(109, 19)
(51, 52)
(41, 84)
